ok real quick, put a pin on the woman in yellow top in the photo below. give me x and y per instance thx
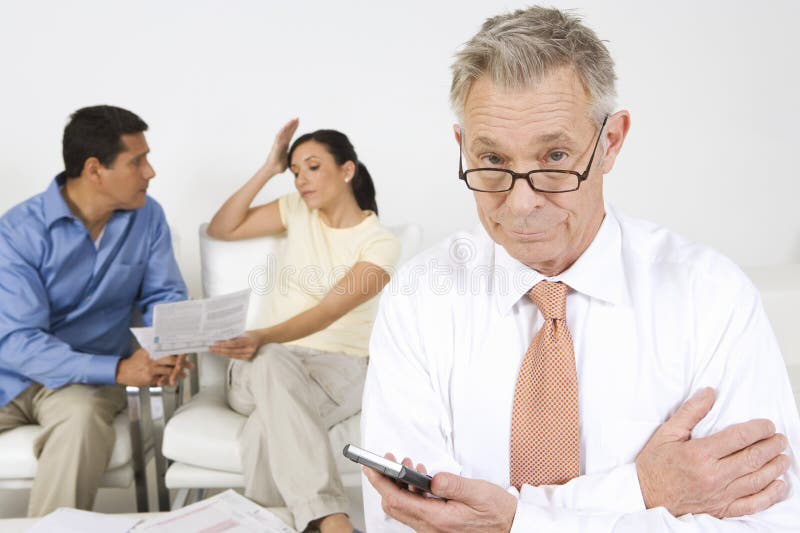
(305, 371)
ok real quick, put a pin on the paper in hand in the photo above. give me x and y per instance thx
(194, 325)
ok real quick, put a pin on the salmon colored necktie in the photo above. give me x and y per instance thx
(545, 440)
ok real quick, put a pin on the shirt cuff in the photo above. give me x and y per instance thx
(629, 494)
(101, 370)
(624, 494)
(616, 490)
(531, 517)
(590, 503)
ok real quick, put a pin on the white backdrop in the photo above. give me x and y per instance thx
(711, 86)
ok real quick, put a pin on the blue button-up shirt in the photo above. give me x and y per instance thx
(66, 306)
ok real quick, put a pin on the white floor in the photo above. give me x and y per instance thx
(14, 503)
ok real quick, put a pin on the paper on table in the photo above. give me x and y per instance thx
(194, 325)
(228, 511)
(65, 520)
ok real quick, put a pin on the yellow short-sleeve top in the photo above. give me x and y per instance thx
(316, 257)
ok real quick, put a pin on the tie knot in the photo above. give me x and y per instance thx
(550, 298)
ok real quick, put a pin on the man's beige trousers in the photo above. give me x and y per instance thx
(75, 444)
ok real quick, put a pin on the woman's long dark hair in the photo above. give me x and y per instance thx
(340, 147)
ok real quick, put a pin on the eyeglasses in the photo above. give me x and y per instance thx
(544, 180)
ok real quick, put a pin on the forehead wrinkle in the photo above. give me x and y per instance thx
(511, 111)
(546, 127)
(494, 115)
(518, 119)
(556, 101)
(558, 136)
(525, 101)
(483, 142)
(539, 132)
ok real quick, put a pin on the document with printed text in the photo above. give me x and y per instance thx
(228, 511)
(64, 520)
(194, 325)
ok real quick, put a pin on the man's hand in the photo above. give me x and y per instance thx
(178, 373)
(471, 504)
(139, 370)
(731, 473)
(243, 347)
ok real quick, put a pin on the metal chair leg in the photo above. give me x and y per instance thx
(161, 405)
(194, 377)
(137, 448)
(181, 497)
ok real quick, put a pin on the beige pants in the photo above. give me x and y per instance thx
(75, 444)
(292, 396)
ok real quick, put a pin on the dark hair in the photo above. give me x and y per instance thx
(340, 147)
(97, 132)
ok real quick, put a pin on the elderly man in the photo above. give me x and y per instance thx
(566, 367)
(75, 261)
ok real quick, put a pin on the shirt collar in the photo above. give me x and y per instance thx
(597, 273)
(55, 208)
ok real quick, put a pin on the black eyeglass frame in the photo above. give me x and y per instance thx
(582, 176)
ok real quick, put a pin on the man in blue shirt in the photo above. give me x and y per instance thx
(75, 262)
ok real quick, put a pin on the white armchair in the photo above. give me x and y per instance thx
(136, 442)
(202, 438)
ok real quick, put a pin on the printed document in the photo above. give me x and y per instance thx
(194, 325)
(64, 520)
(229, 511)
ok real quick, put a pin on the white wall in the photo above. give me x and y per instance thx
(712, 88)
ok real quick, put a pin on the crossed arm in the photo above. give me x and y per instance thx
(729, 474)
(701, 465)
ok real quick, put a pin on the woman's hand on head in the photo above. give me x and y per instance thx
(243, 347)
(278, 158)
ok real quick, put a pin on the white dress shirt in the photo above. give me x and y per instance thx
(654, 318)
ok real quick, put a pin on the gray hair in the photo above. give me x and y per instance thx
(520, 48)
